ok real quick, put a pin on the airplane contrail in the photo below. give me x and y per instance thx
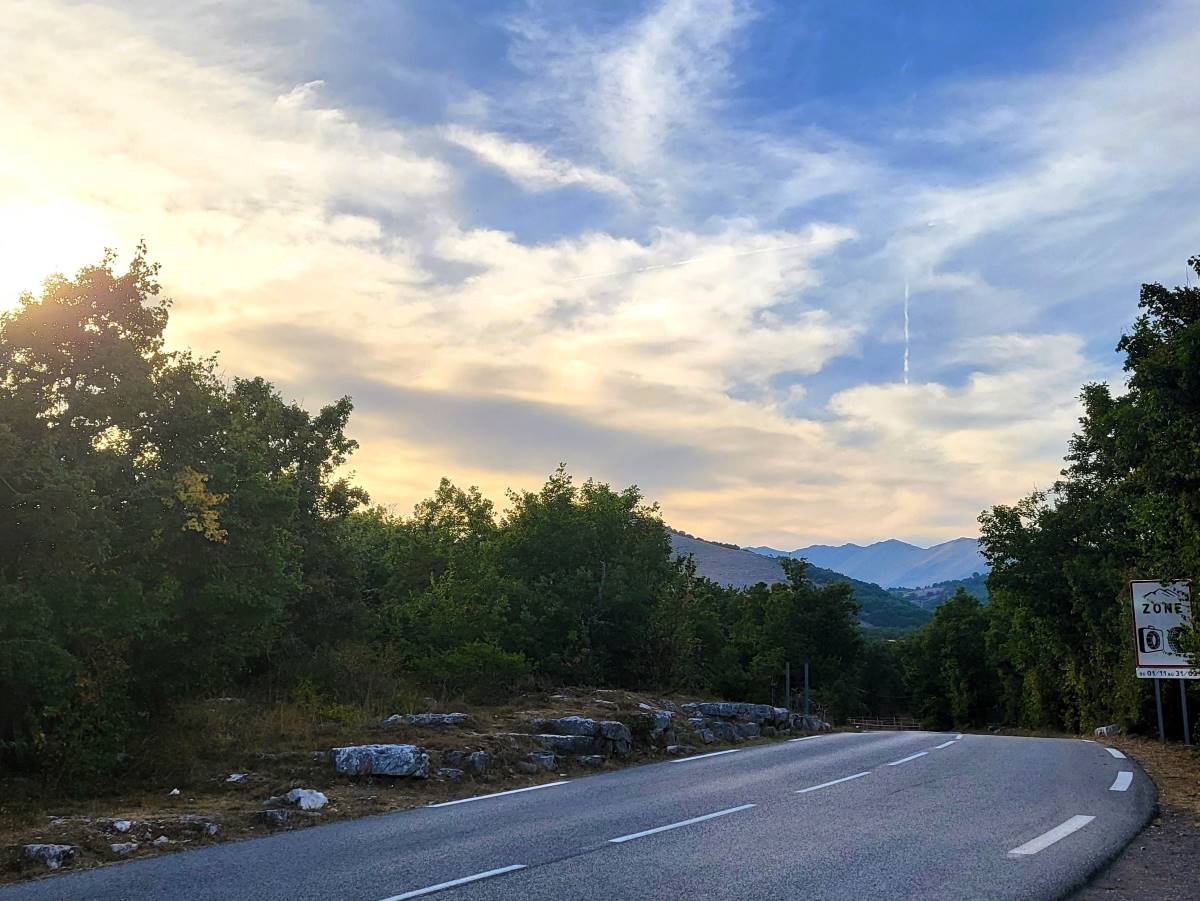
(688, 262)
(906, 331)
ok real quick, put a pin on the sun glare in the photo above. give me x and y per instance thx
(37, 240)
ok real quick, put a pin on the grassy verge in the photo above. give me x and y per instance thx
(279, 747)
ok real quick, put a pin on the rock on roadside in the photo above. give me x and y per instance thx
(426, 719)
(382, 760)
(52, 856)
(306, 798)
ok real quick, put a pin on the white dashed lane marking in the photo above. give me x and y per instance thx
(1115, 753)
(515, 791)
(1046, 839)
(430, 889)
(1122, 782)
(945, 744)
(908, 758)
(702, 756)
(679, 825)
(813, 788)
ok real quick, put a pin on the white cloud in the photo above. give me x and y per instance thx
(684, 327)
(531, 167)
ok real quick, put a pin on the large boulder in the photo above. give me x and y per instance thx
(382, 760)
(809, 723)
(569, 744)
(52, 856)
(568, 725)
(748, 730)
(427, 719)
(724, 731)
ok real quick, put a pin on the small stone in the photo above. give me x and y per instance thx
(161, 842)
(203, 825)
(124, 848)
(122, 825)
(237, 777)
(479, 762)
(593, 761)
(306, 798)
(173, 793)
(451, 773)
(52, 856)
(542, 760)
(272, 817)
(680, 750)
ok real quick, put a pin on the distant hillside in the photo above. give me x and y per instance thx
(894, 562)
(931, 596)
(730, 565)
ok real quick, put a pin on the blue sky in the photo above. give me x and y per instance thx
(664, 242)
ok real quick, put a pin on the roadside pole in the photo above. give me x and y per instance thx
(787, 686)
(1162, 733)
(1187, 729)
(806, 706)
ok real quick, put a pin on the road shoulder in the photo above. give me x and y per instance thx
(1159, 864)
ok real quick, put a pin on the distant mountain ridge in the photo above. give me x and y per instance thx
(728, 564)
(894, 563)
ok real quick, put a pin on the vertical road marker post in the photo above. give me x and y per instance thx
(1162, 733)
(806, 705)
(1187, 728)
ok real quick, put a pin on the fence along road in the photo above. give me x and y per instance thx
(870, 815)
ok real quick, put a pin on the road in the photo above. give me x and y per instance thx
(873, 815)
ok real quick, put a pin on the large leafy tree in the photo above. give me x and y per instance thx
(157, 526)
(1127, 506)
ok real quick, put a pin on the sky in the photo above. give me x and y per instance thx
(667, 243)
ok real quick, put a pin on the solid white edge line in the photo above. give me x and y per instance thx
(702, 756)
(1122, 782)
(1046, 839)
(945, 744)
(1088, 740)
(805, 738)
(1115, 753)
(430, 889)
(813, 788)
(908, 758)
(515, 791)
(667, 828)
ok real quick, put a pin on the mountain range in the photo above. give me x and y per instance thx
(731, 565)
(894, 563)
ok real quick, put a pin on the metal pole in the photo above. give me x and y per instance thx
(806, 705)
(1162, 733)
(1187, 729)
(787, 686)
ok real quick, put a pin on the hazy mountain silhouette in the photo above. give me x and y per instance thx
(894, 563)
(729, 564)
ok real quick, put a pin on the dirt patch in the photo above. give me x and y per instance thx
(1161, 863)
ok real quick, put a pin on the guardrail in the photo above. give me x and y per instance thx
(884, 722)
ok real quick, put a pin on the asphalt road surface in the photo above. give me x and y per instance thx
(874, 815)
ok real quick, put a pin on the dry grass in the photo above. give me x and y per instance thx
(1174, 769)
(280, 746)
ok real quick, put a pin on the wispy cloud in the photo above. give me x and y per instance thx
(712, 307)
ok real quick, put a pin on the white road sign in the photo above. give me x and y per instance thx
(1162, 616)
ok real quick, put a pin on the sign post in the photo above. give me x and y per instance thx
(1162, 617)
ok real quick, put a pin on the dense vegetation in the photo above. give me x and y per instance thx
(1052, 649)
(931, 596)
(166, 535)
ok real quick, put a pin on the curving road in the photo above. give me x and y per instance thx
(875, 815)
